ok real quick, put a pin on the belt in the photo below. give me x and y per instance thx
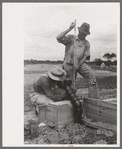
(69, 63)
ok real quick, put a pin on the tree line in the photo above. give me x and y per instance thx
(97, 61)
(108, 61)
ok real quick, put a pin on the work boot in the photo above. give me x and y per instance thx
(77, 115)
(93, 91)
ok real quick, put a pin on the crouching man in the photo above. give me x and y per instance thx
(56, 87)
(49, 82)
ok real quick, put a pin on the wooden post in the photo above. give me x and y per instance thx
(74, 58)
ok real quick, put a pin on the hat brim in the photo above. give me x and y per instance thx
(86, 33)
(56, 78)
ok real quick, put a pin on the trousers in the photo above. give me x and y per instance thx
(84, 71)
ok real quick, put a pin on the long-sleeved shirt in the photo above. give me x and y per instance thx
(47, 86)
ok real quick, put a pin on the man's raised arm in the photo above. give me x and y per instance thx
(61, 35)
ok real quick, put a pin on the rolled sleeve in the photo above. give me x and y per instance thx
(46, 88)
(87, 50)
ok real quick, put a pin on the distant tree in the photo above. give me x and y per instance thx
(109, 56)
(108, 63)
(113, 55)
(98, 61)
(114, 62)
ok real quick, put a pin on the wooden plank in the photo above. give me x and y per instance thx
(65, 113)
(114, 102)
(108, 112)
(112, 115)
(101, 119)
(100, 103)
(42, 113)
(91, 109)
(99, 125)
(102, 115)
(110, 99)
(51, 114)
(99, 110)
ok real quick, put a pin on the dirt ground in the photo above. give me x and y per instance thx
(42, 135)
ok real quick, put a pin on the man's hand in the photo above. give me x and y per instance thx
(67, 82)
(76, 67)
(60, 97)
(72, 25)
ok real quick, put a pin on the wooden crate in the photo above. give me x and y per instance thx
(100, 113)
(58, 113)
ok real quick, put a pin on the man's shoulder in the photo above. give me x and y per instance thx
(87, 42)
(71, 36)
(44, 77)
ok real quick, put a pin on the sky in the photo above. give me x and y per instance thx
(44, 21)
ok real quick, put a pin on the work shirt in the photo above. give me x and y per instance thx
(46, 86)
(71, 42)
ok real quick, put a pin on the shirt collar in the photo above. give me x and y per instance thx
(76, 37)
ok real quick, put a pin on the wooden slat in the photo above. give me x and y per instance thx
(112, 115)
(42, 113)
(100, 103)
(100, 111)
(111, 100)
(51, 114)
(91, 109)
(114, 102)
(101, 119)
(102, 115)
(65, 113)
(100, 125)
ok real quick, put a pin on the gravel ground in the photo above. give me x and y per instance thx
(73, 133)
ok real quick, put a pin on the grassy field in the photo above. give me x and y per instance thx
(76, 134)
(32, 73)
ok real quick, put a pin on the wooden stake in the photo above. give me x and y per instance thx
(74, 58)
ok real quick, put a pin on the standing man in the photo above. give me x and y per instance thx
(82, 53)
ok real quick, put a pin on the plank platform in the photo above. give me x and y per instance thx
(100, 113)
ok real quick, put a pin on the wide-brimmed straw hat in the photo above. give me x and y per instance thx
(84, 28)
(57, 74)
